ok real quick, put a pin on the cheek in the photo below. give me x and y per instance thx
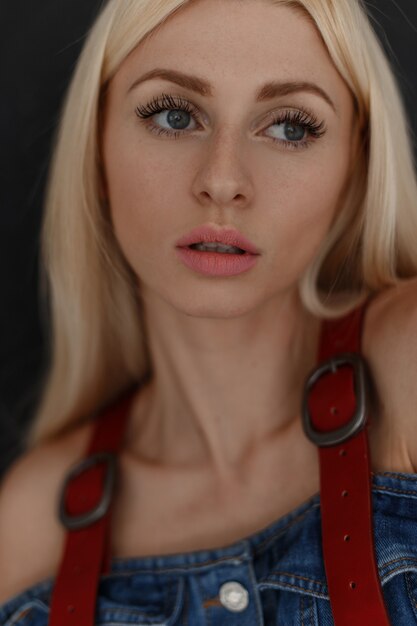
(140, 192)
(308, 197)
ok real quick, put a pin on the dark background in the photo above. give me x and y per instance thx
(39, 44)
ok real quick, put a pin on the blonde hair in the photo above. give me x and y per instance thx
(98, 345)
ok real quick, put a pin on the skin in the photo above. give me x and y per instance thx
(216, 340)
(214, 439)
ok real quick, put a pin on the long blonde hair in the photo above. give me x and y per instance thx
(98, 341)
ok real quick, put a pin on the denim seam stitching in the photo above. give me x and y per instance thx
(186, 607)
(258, 603)
(410, 594)
(400, 568)
(24, 610)
(187, 566)
(402, 558)
(20, 616)
(405, 491)
(205, 597)
(302, 609)
(264, 544)
(179, 598)
(309, 580)
(397, 475)
(125, 610)
(307, 591)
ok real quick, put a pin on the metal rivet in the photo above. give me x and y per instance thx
(234, 596)
(345, 493)
(346, 538)
(352, 585)
(342, 452)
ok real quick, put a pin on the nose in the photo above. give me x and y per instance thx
(223, 177)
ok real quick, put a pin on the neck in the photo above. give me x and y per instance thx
(222, 387)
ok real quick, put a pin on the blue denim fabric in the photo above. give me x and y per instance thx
(280, 566)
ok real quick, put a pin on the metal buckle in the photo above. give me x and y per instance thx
(76, 522)
(358, 420)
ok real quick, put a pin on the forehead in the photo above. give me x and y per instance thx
(233, 43)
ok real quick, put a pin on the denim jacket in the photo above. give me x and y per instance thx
(273, 577)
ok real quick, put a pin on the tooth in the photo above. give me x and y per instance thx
(217, 247)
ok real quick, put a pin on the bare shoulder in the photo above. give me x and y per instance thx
(31, 537)
(390, 346)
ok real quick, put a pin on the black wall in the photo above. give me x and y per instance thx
(39, 44)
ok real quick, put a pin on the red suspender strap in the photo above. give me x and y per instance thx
(335, 419)
(85, 509)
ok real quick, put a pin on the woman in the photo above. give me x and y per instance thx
(281, 121)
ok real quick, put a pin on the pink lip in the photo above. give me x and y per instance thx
(209, 234)
(217, 263)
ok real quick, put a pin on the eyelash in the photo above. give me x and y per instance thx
(306, 120)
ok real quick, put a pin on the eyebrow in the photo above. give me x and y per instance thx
(266, 92)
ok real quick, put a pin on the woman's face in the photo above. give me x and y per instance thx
(272, 167)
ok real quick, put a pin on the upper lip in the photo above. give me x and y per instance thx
(209, 234)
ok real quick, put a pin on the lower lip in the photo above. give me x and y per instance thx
(217, 263)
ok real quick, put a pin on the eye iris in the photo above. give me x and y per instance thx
(291, 131)
(176, 117)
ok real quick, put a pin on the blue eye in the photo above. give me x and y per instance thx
(290, 130)
(177, 119)
(174, 108)
(295, 124)
(295, 121)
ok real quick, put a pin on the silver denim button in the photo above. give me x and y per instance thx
(234, 596)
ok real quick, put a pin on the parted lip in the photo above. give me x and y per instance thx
(209, 234)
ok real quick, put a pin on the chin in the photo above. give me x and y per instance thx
(212, 307)
(208, 300)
